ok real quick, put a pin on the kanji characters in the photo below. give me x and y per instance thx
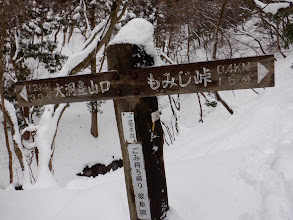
(183, 79)
(94, 88)
(70, 89)
(203, 78)
(59, 90)
(81, 88)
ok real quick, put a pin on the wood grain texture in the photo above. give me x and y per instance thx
(121, 58)
(219, 75)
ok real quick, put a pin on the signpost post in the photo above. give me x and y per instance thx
(141, 143)
(134, 92)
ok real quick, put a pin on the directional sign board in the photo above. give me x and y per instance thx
(218, 75)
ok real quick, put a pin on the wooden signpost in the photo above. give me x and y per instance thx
(219, 75)
(134, 91)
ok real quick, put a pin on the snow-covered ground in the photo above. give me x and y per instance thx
(227, 168)
(236, 167)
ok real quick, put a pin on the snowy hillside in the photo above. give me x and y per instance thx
(227, 168)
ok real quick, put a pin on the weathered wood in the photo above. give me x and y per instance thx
(67, 89)
(210, 76)
(149, 135)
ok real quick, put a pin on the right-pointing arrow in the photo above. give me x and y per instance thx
(262, 71)
(23, 93)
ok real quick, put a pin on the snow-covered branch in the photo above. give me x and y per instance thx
(96, 41)
(164, 55)
(31, 128)
(17, 47)
(275, 6)
(88, 31)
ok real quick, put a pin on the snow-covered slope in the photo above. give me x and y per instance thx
(236, 167)
(76, 147)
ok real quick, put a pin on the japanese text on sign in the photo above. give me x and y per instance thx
(38, 92)
(233, 73)
(139, 181)
(129, 127)
(209, 76)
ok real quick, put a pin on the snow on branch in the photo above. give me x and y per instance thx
(275, 6)
(99, 37)
(87, 48)
(165, 56)
(95, 35)
(30, 128)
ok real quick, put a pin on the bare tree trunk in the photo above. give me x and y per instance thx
(94, 112)
(216, 39)
(278, 37)
(3, 106)
(220, 20)
(218, 97)
(171, 101)
(201, 112)
(17, 150)
(94, 126)
(188, 42)
(6, 136)
(53, 142)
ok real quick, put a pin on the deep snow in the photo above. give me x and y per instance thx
(228, 167)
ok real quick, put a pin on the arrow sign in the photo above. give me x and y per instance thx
(262, 71)
(210, 76)
(23, 94)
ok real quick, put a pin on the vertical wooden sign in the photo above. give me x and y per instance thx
(141, 139)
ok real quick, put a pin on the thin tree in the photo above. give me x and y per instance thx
(215, 47)
(2, 42)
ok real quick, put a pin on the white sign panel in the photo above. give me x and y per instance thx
(128, 124)
(139, 181)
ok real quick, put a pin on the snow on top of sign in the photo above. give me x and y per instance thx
(272, 7)
(138, 31)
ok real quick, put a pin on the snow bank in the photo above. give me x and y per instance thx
(139, 32)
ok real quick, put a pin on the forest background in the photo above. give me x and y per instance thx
(34, 33)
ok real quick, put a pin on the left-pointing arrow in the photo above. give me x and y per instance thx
(23, 93)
